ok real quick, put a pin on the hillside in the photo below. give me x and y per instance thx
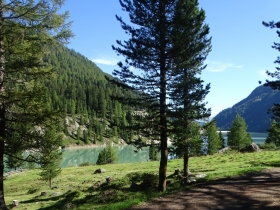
(253, 109)
(81, 91)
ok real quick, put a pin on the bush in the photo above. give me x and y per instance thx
(107, 156)
(147, 180)
(268, 146)
(86, 164)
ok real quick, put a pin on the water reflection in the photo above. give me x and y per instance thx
(126, 154)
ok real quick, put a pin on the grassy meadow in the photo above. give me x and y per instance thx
(74, 186)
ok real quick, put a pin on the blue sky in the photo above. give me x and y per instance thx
(241, 45)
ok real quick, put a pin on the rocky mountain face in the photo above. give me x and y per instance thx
(254, 109)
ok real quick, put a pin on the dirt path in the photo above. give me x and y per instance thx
(254, 191)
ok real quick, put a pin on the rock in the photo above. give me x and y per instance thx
(15, 203)
(200, 175)
(251, 148)
(55, 193)
(109, 179)
(99, 171)
(43, 193)
(223, 150)
(188, 180)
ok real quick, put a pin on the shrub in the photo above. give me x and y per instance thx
(147, 180)
(107, 156)
(268, 146)
(86, 164)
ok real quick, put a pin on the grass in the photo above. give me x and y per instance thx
(74, 185)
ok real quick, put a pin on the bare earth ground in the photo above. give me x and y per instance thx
(259, 190)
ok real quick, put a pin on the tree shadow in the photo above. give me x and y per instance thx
(252, 191)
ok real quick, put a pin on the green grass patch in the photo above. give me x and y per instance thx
(80, 188)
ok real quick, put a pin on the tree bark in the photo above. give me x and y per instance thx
(186, 164)
(50, 182)
(2, 112)
(163, 120)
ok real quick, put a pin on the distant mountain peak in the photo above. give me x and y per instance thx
(253, 109)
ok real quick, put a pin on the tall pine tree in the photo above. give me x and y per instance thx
(27, 29)
(148, 51)
(156, 46)
(275, 83)
(191, 46)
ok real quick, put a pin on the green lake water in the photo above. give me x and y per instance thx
(126, 154)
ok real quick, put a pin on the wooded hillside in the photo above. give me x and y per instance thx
(253, 109)
(83, 93)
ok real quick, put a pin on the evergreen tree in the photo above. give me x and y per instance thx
(275, 83)
(273, 134)
(79, 133)
(213, 140)
(146, 50)
(50, 157)
(222, 139)
(151, 49)
(187, 143)
(238, 138)
(191, 47)
(107, 156)
(27, 29)
(153, 151)
(85, 134)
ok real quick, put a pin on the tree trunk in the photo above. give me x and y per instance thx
(186, 164)
(163, 120)
(2, 112)
(2, 199)
(50, 182)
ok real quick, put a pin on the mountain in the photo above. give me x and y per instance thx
(253, 109)
(81, 91)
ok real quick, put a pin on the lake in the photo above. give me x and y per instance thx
(126, 154)
(258, 138)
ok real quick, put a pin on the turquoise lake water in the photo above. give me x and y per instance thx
(126, 154)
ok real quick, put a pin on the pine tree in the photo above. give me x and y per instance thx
(187, 143)
(27, 29)
(213, 140)
(275, 82)
(146, 50)
(222, 139)
(153, 151)
(238, 138)
(151, 49)
(107, 156)
(273, 134)
(50, 156)
(190, 48)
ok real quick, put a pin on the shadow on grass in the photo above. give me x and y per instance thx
(64, 201)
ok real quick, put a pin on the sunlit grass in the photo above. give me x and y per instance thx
(74, 185)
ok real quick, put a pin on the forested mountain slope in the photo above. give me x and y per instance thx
(253, 109)
(82, 92)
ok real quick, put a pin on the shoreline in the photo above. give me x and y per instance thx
(74, 146)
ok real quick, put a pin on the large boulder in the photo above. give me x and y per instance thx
(251, 148)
